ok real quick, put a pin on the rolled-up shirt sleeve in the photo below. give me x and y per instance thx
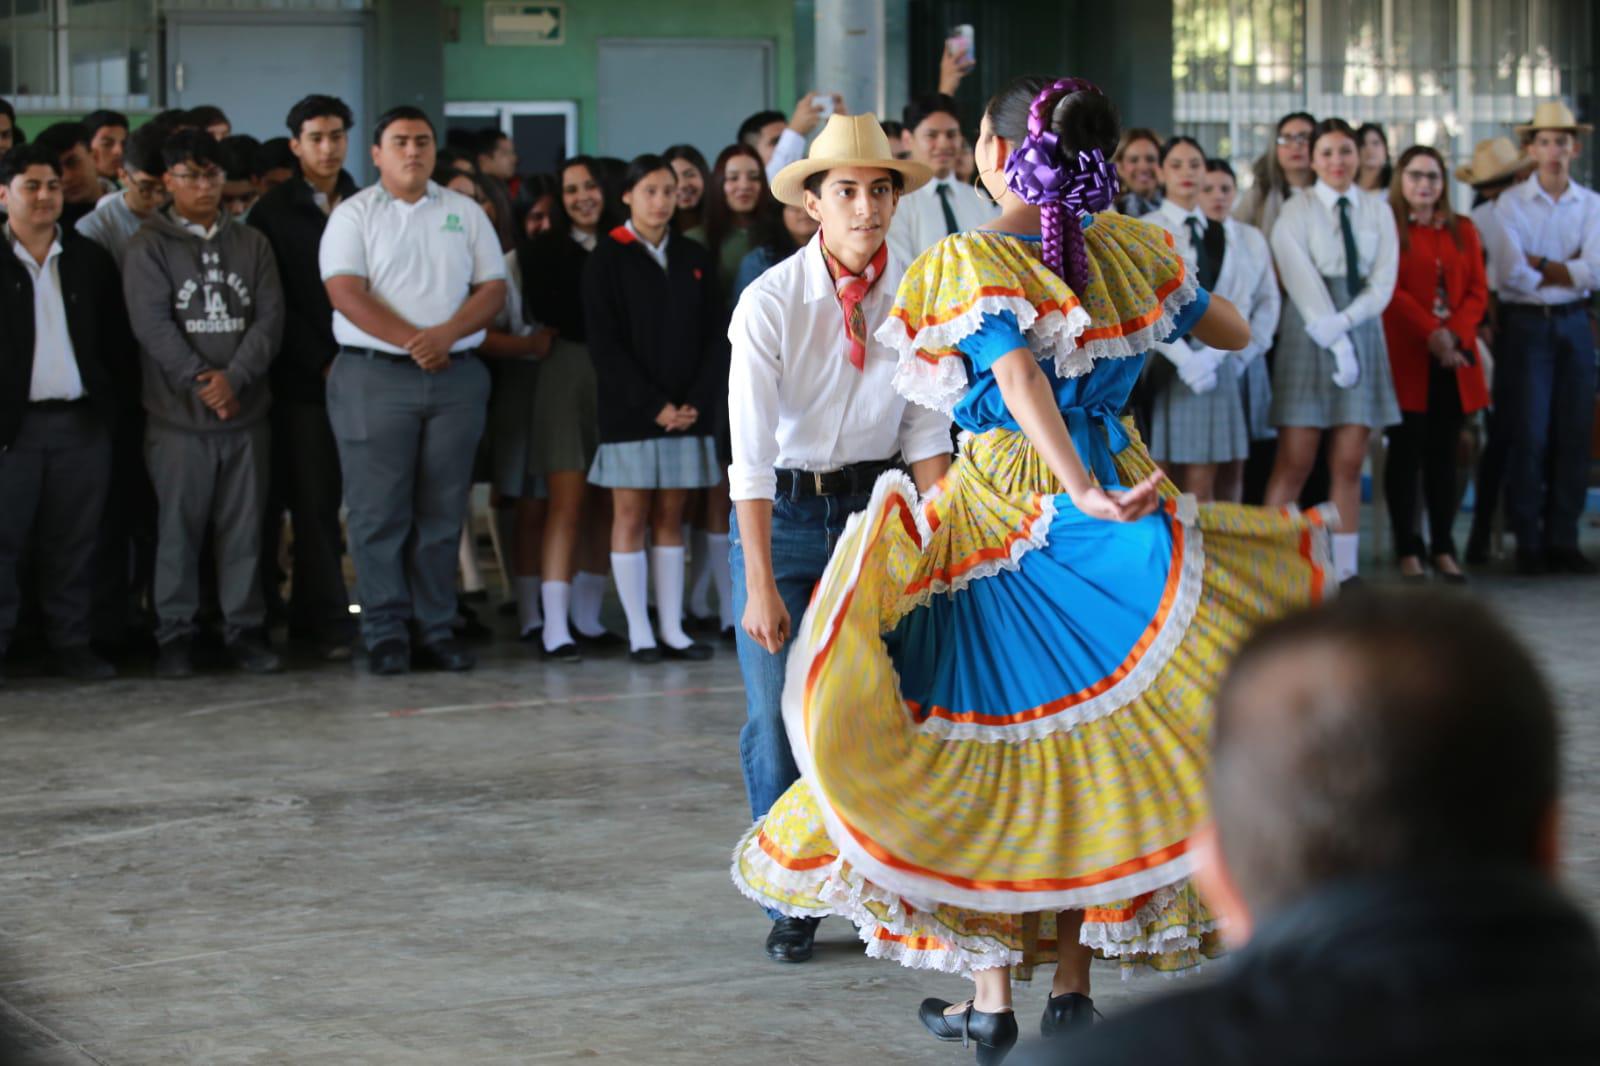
(1585, 269)
(753, 378)
(924, 433)
(1517, 276)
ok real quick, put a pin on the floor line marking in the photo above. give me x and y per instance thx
(240, 705)
(556, 701)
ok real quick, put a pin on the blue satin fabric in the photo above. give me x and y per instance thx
(1072, 612)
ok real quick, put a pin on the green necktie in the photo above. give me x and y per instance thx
(1352, 258)
(950, 223)
(1206, 266)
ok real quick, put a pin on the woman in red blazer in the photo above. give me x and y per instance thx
(1431, 327)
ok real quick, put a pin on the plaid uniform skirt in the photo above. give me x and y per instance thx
(1255, 391)
(513, 448)
(661, 463)
(1208, 427)
(1303, 392)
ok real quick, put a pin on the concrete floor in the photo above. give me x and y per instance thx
(522, 864)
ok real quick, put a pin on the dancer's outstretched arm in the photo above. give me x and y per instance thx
(1031, 402)
(1222, 326)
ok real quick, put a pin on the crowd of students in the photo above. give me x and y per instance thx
(208, 333)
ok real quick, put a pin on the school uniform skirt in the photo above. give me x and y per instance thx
(676, 462)
(566, 411)
(514, 461)
(1200, 427)
(1255, 393)
(1303, 392)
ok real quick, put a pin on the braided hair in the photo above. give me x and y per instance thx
(1062, 132)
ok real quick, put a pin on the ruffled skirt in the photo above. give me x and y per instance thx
(1000, 710)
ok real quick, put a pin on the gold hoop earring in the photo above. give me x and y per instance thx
(981, 189)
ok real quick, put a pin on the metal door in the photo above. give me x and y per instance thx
(657, 92)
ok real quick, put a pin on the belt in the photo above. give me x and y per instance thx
(396, 357)
(57, 405)
(1571, 307)
(854, 480)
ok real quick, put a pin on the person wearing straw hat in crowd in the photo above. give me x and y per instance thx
(814, 420)
(1547, 263)
(1497, 164)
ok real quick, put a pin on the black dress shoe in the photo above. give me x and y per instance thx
(605, 640)
(251, 654)
(1066, 1014)
(995, 1034)
(1456, 578)
(791, 939)
(445, 654)
(646, 656)
(81, 664)
(566, 653)
(1569, 561)
(389, 657)
(696, 652)
(176, 659)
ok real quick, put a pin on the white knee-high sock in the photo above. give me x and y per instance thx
(667, 563)
(717, 548)
(1346, 555)
(631, 572)
(556, 596)
(588, 593)
(700, 564)
(529, 616)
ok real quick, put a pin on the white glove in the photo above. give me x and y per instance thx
(1346, 369)
(1200, 370)
(1328, 328)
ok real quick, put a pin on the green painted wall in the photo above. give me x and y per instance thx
(474, 70)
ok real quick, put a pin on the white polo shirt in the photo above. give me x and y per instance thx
(55, 367)
(420, 259)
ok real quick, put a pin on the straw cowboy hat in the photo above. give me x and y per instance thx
(846, 141)
(1553, 115)
(1495, 159)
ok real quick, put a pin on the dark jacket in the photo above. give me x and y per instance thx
(293, 225)
(552, 284)
(1485, 966)
(96, 321)
(655, 336)
(198, 304)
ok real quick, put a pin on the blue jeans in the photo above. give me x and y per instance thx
(1549, 369)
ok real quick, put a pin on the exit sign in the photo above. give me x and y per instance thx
(518, 23)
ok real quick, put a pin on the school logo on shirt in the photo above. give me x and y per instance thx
(452, 224)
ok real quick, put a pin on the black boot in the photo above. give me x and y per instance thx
(1066, 1014)
(995, 1034)
(791, 939)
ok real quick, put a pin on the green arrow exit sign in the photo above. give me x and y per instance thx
(518, 23)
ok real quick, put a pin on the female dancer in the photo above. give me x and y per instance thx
(1197, 420)
(653, 311)
(1431, 328)
(997, 699)
(1337, 253)
(1248, 282)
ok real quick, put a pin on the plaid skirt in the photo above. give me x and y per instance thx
(1208, 427)
(1303, 392)
(661, 463)
(1255, 391)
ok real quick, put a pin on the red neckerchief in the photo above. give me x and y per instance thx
(851, 290)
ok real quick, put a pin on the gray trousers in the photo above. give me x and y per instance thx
(406, 443)
(217, 479)
(53, 484)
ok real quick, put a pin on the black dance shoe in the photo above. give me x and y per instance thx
(694, 652)
(389, 658)
(791, 939)
(447, 655)
(566, 653)
(1066, 1014)
(995, 1034)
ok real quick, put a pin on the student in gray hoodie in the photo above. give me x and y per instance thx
(206, 305)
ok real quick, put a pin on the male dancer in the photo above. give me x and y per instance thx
(814, 421)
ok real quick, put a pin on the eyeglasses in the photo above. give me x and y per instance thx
(213, 176)
(1425, 177)
(149, 189)
(1286, 139)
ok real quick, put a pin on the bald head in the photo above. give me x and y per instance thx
(1381, 732)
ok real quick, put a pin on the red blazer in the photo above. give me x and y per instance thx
(1409, 318)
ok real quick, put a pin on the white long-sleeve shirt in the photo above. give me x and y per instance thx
(1564, 230)
(1308, 245)
(1246, 279)
(795, 401)
(919, 221)
(791, 148)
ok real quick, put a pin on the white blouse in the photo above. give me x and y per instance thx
(1246, 279)
(1308, 245)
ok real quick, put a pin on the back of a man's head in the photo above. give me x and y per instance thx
(1384, 732)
